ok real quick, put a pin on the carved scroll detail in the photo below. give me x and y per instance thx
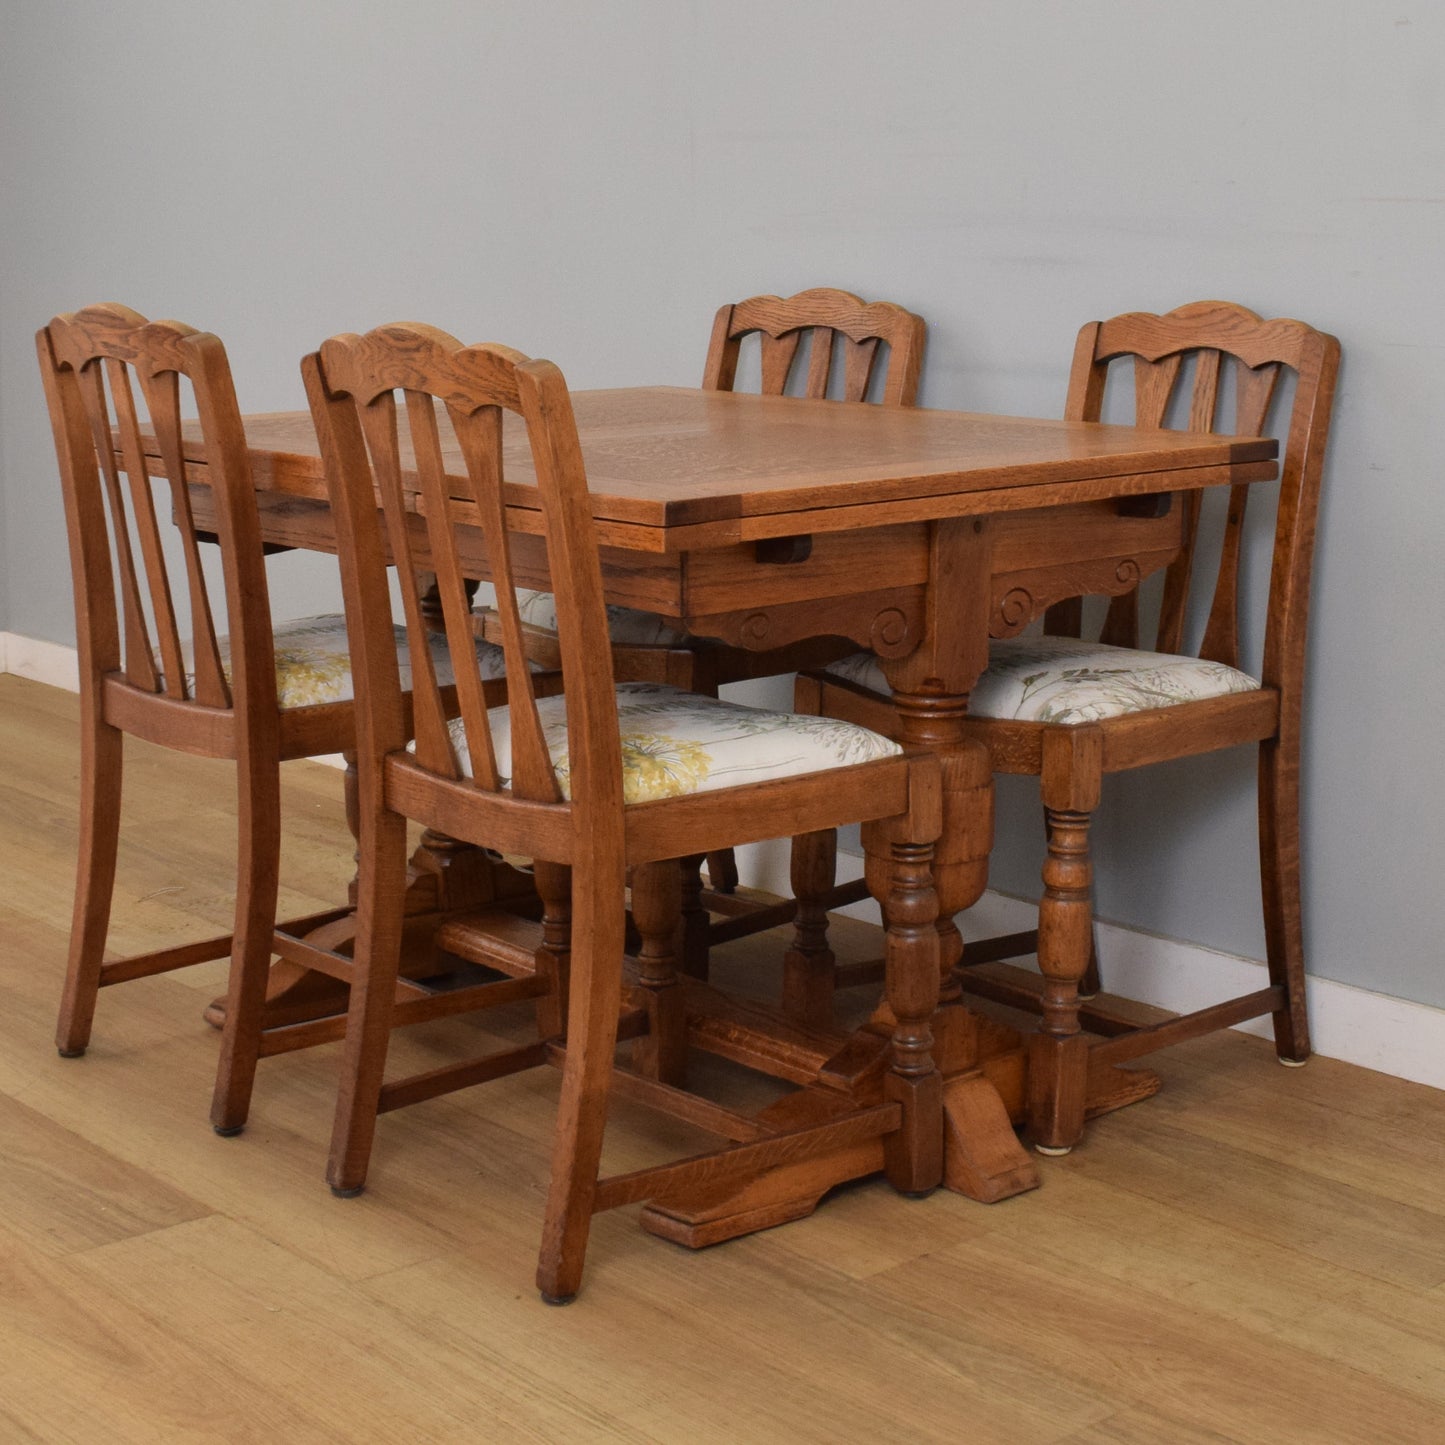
(1013, 612)
(890, 622)
(1019, 597)
(890, 634)
(755, 630)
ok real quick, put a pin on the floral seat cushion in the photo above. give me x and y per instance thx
(628, 626)
(1063, 680)
(676, 742)
(313, 665)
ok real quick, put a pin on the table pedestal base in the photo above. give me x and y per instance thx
(985, 1068)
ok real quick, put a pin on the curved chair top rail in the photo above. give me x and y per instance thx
(1212, 333)
(88, 361)
(830, 316)
(362, 389)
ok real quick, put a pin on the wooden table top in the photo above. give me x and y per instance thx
(671, 468)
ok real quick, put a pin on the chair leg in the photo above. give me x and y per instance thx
(1279, 858)
(1072, 776)
(586, 1077)
(657, 915)
(810, 973)
(554, 887)
(258, 878)
(373, 996)
(101, 757)
(1089, 984)
(695, 919)
(722, 871)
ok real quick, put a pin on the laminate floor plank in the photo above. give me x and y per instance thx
(1401, 1162)
(1141, 1351)
(294, 1329)
(753, 1346)
(82, 1362)
(60, 1193)
(1263, 1288)
(1332, 1221)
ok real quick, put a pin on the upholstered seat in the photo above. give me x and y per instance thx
(1064, 680)
(626, 626)
(676, 742)
(313, 666)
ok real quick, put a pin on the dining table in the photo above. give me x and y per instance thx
(915, 532)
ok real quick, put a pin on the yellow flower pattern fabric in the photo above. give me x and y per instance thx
(675, 742)
(629, 626)
(313, 666)
(1064, 680)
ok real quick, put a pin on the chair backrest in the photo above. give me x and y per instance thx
(1213, 333)
(88, 361)
(831, 317)
(441, 472)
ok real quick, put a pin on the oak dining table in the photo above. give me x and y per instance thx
(919, 533)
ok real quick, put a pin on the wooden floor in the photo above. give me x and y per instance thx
(1258, 1254)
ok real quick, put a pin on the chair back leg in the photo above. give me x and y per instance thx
(1279, 860)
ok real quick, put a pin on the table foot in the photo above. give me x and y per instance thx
(982, 1156)
(1111, 1086)
(791, 1191)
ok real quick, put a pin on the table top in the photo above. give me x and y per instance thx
(674, 467)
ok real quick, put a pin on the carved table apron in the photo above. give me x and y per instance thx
(759, 521)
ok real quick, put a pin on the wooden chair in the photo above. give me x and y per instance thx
(260, 694)
(1069, 711)
(599, 782)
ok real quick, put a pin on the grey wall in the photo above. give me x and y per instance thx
(589, 181)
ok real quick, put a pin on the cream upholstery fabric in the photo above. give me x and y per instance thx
(627, 625)
(675, 742)
(313, 665)
(1064, 680)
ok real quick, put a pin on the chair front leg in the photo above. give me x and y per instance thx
(657, 915)
(258, 870)
(810, 973)
(695, 918)
(1072, 778)
(101, 750)
(554, 887)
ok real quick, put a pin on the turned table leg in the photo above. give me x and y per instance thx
(900, 878)
(982, 1155)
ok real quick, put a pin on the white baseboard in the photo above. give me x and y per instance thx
(49, 662)
(1374, 1030)
(1393, 1035)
